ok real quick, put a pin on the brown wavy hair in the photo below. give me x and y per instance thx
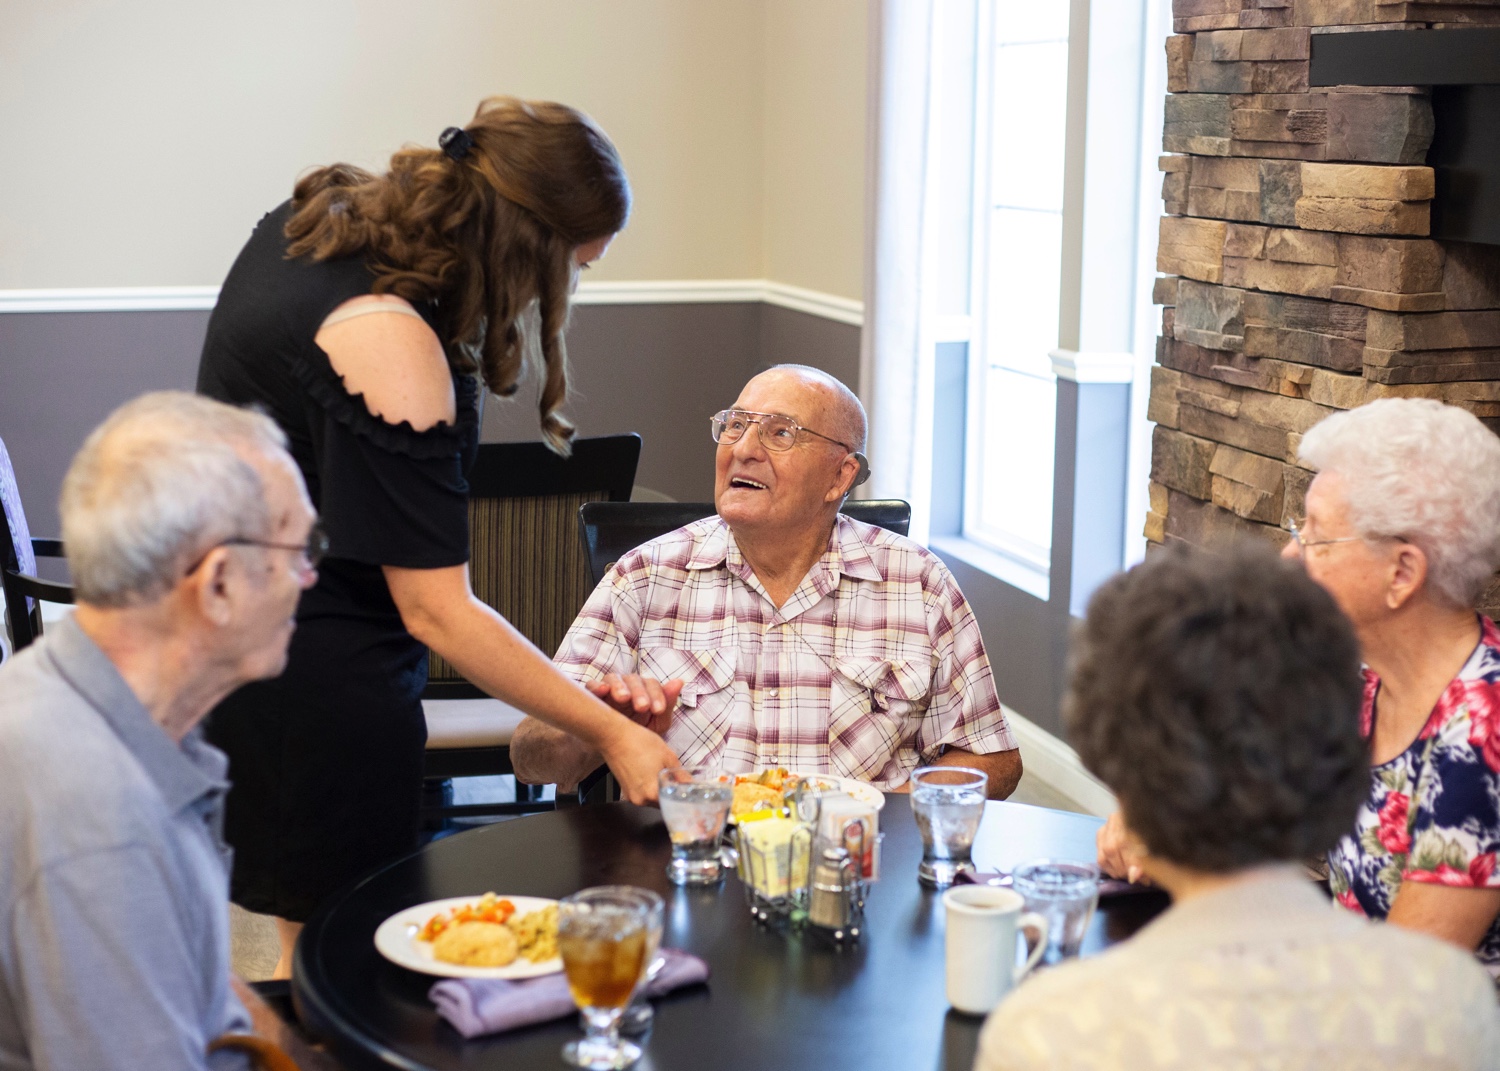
(490, 238)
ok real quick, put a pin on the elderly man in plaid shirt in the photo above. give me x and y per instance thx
(780, 632)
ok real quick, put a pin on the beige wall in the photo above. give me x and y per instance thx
(142, 141)
(815, 144)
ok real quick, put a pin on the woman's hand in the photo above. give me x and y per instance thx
(635, 756)
(1119, 850)
(438, 608)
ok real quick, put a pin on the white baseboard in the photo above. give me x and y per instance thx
(1054, 763)
(111, 299)
(642, 292)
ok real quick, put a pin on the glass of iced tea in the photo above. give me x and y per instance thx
(604, 935)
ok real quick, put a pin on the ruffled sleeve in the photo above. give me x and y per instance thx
(387, 493)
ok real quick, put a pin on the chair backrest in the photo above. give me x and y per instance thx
(22, 590)
(524, 556)
(610, 530)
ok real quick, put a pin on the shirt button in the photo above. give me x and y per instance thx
(772, 693)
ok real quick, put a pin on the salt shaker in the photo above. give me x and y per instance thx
(835, 891)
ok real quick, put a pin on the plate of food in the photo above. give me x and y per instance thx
(769, 791)
(487, 936)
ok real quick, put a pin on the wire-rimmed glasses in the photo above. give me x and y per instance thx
(1303, 544)
(776, 431)
(313, 550)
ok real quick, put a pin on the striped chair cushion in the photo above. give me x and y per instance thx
(526, 560)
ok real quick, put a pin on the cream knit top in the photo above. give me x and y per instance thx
(1265, 973)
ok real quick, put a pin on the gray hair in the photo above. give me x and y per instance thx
(163, 479)
(1425, 472)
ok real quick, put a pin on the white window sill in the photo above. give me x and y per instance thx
(1027, 578)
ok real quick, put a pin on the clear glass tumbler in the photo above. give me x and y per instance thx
(695, 804)
(1065, 894)
(948, 802)
(604, 937)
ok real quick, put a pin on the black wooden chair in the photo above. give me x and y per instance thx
(610, 530)
(24, 591)
(526, 562)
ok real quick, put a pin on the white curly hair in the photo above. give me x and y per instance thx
(1423, 471)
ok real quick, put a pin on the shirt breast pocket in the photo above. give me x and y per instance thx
(701, 723)
(871, 705)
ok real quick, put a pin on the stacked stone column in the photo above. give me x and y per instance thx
(1298, 275)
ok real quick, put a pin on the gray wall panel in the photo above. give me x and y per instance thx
(1026, 639)
(62, 373)
(661, 370)
(791, 337)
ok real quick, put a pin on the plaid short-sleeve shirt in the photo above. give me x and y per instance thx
(874, 665)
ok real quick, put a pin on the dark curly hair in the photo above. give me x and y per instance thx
(1218, 694)
(489, 237)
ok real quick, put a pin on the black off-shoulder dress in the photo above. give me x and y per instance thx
(326, 760)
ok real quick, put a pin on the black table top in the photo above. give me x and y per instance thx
(775, 1001)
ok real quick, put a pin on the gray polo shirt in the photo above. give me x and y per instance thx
(114, 909)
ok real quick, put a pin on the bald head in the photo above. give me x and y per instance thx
(841, 412)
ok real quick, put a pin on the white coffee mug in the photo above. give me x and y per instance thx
(981, 945)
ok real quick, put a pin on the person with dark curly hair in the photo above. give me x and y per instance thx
(358, 315)
(1218, 694)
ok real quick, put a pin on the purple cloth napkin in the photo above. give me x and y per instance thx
(493, 1005)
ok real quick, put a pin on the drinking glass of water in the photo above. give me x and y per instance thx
(948, 802)
(695, 804)
(1065, 894)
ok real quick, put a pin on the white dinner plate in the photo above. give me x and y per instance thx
(396, 940)
(861, 790)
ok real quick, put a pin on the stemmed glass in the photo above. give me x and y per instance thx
(604, 937)
(638, 1016)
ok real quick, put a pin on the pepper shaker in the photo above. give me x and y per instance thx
(835, 889)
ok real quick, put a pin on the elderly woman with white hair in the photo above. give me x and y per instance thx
(1403, 530)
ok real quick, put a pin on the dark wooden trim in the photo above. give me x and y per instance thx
(47, 548)
(531, 470)
(453, 690)
(1463, 69)
(440, 763)
(1406, 58)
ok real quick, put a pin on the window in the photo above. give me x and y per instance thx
(1020, 134)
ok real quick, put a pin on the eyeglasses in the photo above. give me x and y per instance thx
(313, 551)
(1296, 531)
(777, 432)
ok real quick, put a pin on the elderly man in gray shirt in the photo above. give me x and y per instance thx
(190, 538)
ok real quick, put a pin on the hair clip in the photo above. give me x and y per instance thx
(455, 142)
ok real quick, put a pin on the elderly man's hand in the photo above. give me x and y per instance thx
(1120, 851)
(642, 699)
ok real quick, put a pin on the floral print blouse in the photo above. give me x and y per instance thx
(1433, 813)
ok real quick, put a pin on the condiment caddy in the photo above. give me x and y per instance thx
(810, 869)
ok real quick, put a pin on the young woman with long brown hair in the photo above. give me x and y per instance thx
(358, 315)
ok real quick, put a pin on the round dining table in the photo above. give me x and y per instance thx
(775, 1000)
